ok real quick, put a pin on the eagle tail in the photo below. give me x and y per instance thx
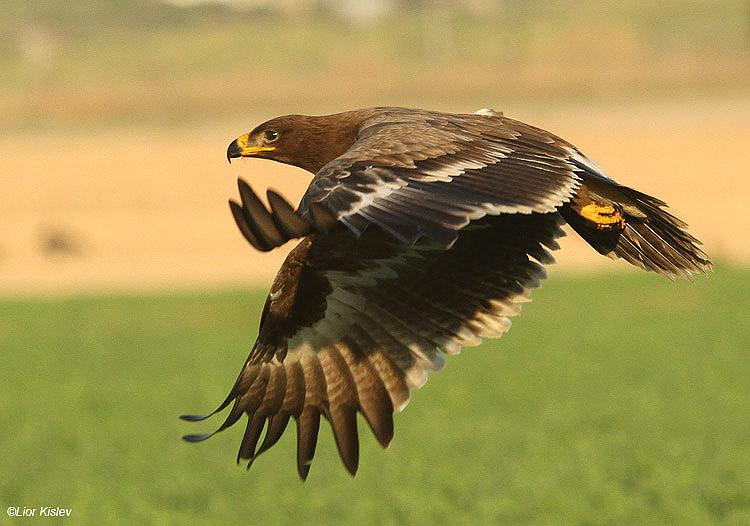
(620, 222)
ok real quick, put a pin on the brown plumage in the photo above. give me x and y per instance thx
(422, 232)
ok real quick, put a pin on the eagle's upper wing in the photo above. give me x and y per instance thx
(352, 323)
(425, 173)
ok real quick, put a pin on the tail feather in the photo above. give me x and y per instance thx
(636, 227)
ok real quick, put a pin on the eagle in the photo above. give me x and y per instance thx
(421, 232)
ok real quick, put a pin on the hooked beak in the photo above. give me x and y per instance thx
(240, 148)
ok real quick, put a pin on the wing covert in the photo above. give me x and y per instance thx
(431, 174)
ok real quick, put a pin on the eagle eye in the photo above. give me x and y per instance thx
(271, 135)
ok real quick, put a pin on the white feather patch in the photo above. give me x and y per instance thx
(590, 164)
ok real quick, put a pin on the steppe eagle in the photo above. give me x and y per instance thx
(422, 232)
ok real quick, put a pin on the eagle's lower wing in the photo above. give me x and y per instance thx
(424, 173)
(352, 324)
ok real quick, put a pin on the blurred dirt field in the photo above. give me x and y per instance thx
(143, 209)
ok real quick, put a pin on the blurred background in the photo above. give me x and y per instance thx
(128, 297)
(115, 116)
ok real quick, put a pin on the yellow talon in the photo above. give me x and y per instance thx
(606, 217)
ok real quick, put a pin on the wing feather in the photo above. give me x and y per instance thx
(308, 422)
(392, 376)
(276, 427)
(270, 405)
(374, 400)
(343, 402)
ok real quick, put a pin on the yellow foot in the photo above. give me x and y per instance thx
(606, 217)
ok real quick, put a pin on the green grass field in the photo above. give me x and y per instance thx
(617, 399)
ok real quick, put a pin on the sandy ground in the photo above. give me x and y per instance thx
(143, 209)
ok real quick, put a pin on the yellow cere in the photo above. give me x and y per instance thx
(242, 141)
(245, 150)
(605, 216)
